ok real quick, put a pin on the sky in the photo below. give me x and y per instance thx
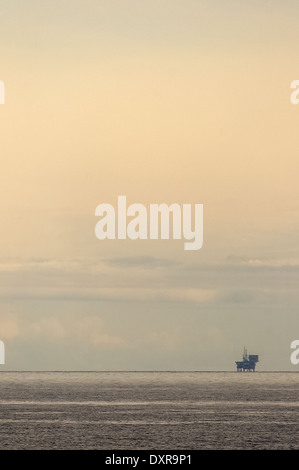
(164, 102)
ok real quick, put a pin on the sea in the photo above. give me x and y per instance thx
(149, 410)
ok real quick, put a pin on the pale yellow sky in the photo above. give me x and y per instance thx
(161, 102)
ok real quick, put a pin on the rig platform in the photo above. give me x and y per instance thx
(248, 363)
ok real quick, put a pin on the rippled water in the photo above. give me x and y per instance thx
(149, 410)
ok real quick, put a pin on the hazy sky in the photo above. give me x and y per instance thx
(161, 101)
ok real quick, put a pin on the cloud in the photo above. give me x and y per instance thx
(90, 280)
(141, 261)
(120, 294)
(237, 280)
(85, 329)
(262, 261)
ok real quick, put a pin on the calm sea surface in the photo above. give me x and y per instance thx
(149, 410)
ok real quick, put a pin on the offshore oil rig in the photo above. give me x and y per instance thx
(248, 363)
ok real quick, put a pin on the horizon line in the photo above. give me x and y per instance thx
(155, 371)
